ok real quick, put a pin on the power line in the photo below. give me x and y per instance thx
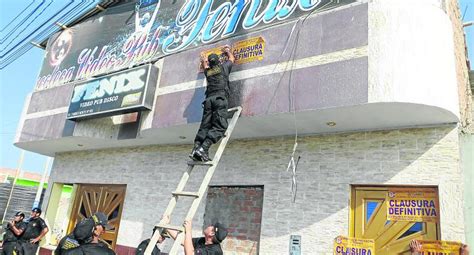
(26, 8)
(465, 10)
(24, 30)
(26, 46)
(21, 22)
(68, 16)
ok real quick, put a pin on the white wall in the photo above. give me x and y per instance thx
(411, 54)
(328, 165)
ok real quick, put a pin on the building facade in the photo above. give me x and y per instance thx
(375, 93)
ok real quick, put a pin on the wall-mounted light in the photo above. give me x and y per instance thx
(80, 145)
(38, 45)
(60, 25)
(100, 8)
(182, 137)
(331, 123)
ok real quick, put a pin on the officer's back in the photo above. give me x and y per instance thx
(85, 238)
(90, 249)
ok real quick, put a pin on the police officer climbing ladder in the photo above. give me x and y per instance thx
(214, 126)
(214, 118)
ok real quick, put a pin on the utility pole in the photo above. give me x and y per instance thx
(41, 184)
(20, 164)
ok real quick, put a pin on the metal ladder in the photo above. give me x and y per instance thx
(196, 195)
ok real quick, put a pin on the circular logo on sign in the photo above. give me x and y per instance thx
(338, 240)
(391, 194)
(60, 48)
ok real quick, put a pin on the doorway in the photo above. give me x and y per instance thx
(92, 198)
(368, 220)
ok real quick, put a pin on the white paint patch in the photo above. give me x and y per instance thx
(130, 233)
(411, 54)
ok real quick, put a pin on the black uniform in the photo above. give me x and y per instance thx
(214, 119)
(33, 229)
(90, 249)
(10, 240)
(200, 247)
(142, 247)
(66, 243)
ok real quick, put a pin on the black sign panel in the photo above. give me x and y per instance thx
(141, 32)
(122, 92)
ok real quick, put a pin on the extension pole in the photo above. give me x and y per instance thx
(41, 184)
(20, 164)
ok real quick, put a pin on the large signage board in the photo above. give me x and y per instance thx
(126, 91)
(440, 247)
(413, 204)
(141, 32)
(350, 245)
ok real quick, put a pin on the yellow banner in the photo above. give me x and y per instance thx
(245, 51)
(440, 247)
(413, 204)
(349, 245)
(218, 51)
(249, 50)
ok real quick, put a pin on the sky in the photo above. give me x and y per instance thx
(18, 79)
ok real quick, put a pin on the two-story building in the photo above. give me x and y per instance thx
(375, 93)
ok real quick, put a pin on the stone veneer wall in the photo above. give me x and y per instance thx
(328, 165)
(462, 68)
(239, 208)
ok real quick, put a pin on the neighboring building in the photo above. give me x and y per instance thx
(379, 92)
(6, 173)
(22, 196)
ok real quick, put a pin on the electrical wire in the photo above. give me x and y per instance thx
(464, 13)
(293, 164)
(14, 29)
(25, 38)
(26, 8)
(65, 18)
(19, 33)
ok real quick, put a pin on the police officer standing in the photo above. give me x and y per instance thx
(35, 230)
(214, 118)
(156, 251)
(14, 230)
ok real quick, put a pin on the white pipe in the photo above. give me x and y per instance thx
(40, 187)
(466, 24)
(20, 164)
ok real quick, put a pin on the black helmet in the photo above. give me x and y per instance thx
(220, 232)
(213, 59)
(20, 214)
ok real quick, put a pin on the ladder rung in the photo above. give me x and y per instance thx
(185, 194)
(167, 226)
(233, 109)
(235, 114)
(200, 163)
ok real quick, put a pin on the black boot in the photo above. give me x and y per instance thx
(203, 151)
(193, 155)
